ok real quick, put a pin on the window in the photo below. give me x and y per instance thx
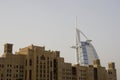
(26, 62)
(30, 62)
(30, 74)
(42, 57)
(50, 63)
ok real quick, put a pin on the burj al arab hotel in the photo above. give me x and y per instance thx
(85, 51)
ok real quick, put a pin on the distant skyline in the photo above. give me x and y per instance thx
(51, 23)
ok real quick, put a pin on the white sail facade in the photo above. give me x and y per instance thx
(88, 54)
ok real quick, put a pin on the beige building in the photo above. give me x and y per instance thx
(36, 63)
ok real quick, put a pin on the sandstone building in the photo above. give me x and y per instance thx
(36, 63)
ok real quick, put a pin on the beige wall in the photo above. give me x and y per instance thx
(36, 63)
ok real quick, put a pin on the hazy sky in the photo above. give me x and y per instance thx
(51, 23)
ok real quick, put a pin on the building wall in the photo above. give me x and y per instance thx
(36, 63)
(12, 67)
(90, 72)
(83, 72)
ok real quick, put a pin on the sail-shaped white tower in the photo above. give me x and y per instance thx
(85, 51)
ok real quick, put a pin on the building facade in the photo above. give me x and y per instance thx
(36, 63)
